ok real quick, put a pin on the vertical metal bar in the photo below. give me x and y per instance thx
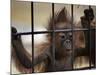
(53, 39)
(72, 36)
(32, 29)
(89, 42)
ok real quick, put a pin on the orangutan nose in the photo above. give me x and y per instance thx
(67, 44)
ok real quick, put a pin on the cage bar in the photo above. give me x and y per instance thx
(32, 29)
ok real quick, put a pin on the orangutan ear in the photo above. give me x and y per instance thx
(79, 39)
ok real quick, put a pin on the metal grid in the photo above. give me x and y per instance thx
(52, 32)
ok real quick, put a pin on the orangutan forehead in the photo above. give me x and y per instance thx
(62, 25)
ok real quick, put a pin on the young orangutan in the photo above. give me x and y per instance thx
(43, 61)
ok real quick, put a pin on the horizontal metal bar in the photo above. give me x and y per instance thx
(51, 31)
(84, 68)
(78, 69)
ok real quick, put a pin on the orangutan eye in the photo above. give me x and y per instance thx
(69, 35)
(62, 35)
